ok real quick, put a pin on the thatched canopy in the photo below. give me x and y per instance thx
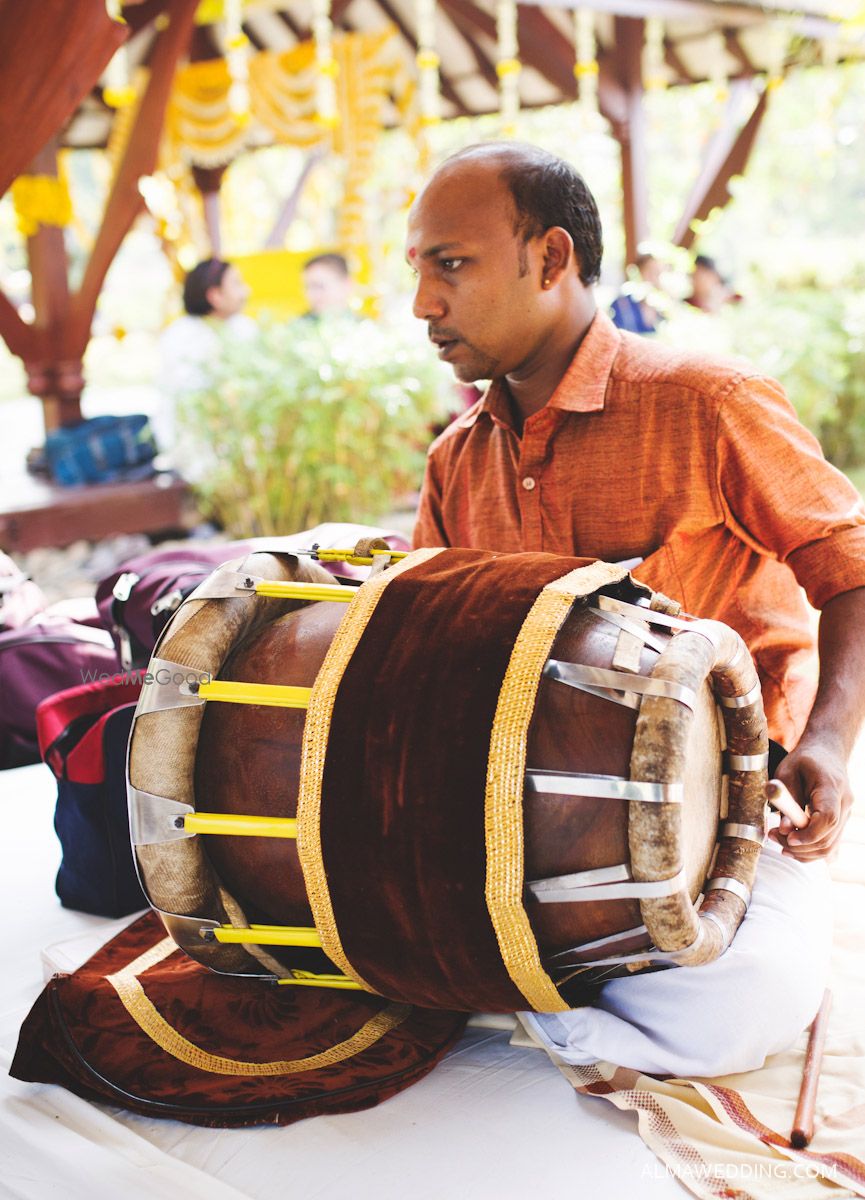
(702, 38)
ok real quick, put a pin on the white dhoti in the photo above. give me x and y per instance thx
(725, 1016)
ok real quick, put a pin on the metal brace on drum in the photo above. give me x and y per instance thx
(156, 819)
(173, 691)
(744, 833)
(622, 622)
(225, 584)
(679, 624)
(197, 936)
(604, 787)
(604, 943)
(671, 958)
(650, 954)
(187, 932)
(726, 883)
(618, 686)
(603, 883)
(747, 762)
(608, 604)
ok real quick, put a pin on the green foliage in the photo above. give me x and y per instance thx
(312, 422)
(814, 342)
(810, 338)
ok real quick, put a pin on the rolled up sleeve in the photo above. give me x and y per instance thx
(780, 495)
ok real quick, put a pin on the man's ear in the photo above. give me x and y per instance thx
(209, 296)
(558, 255)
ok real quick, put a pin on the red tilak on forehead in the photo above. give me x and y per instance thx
(412, 252)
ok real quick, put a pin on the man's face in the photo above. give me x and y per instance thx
(231, 294)
(327, 289)
(477, 281)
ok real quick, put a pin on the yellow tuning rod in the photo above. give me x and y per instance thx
(267, 935)
(329, 981)
(240, 826)
(358, 560)
(274, 694)
(305, 591)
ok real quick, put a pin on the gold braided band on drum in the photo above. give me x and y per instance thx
(471, 835)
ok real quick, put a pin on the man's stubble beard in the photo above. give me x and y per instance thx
(482, 366)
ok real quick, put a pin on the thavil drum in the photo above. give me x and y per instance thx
(475, 781)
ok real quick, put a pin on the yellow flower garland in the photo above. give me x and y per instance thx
(41, 200)
(201, 130)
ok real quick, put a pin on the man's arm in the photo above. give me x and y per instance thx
(429, 526)
(816, 770)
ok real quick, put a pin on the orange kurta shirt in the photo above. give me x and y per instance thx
(699, 467)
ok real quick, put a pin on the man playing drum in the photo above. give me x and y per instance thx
(593, 442)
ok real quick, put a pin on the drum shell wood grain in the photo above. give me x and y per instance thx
(249, 761)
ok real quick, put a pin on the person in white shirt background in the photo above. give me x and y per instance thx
(214, 295)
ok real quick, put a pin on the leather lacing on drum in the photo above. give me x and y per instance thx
(681, 934)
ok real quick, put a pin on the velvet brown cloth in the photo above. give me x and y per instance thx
(402, 809)
(79, 1035)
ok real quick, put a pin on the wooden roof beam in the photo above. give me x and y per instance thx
(734, 48)
(712, 189)
(483, 62)
(254, 40)
(138, 13)
(448, 90)
(301, 34)
(125, 201)
(712, 13)
(675, 63)
(541, 45)
(630, 133)
(537, 37)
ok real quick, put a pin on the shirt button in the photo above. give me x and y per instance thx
(528, 483)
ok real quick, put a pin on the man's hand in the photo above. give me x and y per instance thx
(816, 770)
(816, 775)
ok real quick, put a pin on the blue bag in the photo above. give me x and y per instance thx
(101, 450)
(83, 734)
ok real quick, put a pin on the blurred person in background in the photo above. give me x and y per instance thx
(710, 291)
(214, 295)
(328, 287)
(638, 307)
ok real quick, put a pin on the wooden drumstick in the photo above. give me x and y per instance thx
(803, 1122)
(779, 797)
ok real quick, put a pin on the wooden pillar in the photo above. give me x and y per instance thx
(208, 180)
(630, 132)
(57, 381)
(203, 47)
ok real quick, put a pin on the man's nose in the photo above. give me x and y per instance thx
(428, 303)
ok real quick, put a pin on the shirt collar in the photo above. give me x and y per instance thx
(582, 388)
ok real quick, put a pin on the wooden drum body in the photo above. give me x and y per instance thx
(517, 776)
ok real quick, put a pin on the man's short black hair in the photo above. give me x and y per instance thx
(335, 261)
(198, 283)
(547, 191)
